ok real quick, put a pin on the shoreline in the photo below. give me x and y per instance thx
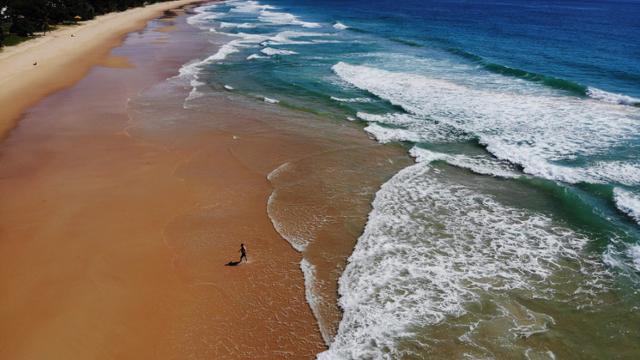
(63, 60)
(127, 193)
(118, 250)
(163, 184)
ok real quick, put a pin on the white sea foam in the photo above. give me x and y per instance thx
(536, 131)
(386, 135)
(256, 56)
(313, 296)
(249, 7)
(352, 100)
(194, 93)
(271, 51)
(297, 238)
(273, 175)
(323, 41)
(229, 87)
(191, 70)
(224, 25)
(189, 73)
(612, 98)
(270, 100)
(483, 165)
(612, 258)
(530, 354)
(431, 248)
(250, 38)
(628, 202)
(307, 219)
(288, 38)
(224, 51)
(280, 18)
(634, 254)
(203, 16)
(188, 70)
(415, 130)
(234, 46)
(622, 172)
(622, 256)
(340, 26)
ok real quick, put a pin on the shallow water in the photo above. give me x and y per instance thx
(515, 235)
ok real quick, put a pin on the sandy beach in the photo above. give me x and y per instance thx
(121, 206)
(410, 182)
(63, 57)
(104, 250)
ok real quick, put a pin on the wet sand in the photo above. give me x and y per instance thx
(120, 208)
(41, 66)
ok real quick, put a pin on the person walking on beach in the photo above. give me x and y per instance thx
(243, 253)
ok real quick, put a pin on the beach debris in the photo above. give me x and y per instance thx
(229, 87)
(35, 63)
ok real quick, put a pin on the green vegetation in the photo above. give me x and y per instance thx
(13, 39)
(22, 19)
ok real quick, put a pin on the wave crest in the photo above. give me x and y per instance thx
(544, 134)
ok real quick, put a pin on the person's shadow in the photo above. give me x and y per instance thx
(232, 263)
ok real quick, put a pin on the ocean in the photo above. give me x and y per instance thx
(516, 232)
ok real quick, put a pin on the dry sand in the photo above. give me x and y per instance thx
(63, 59)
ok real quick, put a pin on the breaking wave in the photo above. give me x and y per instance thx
(628, 202)
(429, 250)
(547, 135)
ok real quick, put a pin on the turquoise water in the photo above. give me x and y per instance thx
(516, 233)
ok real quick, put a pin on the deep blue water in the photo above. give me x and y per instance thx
(591, 43)
(524, 120)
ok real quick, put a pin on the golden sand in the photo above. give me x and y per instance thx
(36, 68)
(120, 209)
(113, 243)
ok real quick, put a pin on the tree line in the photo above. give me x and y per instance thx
(25, 18)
